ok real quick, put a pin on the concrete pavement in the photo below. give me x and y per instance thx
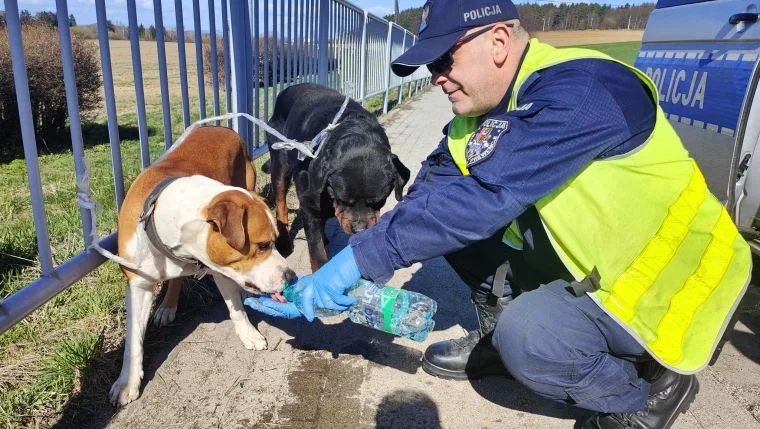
(334, 374)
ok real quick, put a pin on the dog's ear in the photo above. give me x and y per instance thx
(227, 218)
(402, 176)
(319, 171)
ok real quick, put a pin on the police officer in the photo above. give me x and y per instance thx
(602, 268)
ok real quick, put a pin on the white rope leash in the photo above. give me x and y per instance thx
(87, 202)
(307, 148)
(255, 121)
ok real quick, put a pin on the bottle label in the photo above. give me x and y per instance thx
(387, 300)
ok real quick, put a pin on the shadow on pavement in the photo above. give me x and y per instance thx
(508, 393)
(437, 280)
(747, 342)
(344, 338)
(407, 409)
(433, 279)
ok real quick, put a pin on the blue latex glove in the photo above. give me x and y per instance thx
(327, 287)
(270, 307)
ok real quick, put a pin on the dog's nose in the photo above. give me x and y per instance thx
(289, 276)
(358, 225)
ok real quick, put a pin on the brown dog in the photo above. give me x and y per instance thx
(195, 210)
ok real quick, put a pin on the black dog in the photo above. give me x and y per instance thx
(351, 176)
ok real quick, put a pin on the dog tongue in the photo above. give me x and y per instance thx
(277, 296)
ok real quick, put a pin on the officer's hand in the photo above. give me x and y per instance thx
(268, 306)
(327, 287)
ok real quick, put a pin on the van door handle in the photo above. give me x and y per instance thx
(746, 17)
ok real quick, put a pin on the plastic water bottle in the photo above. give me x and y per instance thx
(397, 311)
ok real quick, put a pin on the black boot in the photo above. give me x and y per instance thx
(670, 394)
(472, 356)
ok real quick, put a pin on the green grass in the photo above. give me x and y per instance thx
(623, 51)
(46, 350)
(78, 334)
(54, 379)
(42, 354)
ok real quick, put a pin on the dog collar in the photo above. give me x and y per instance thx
(150, 228)
(308, 148)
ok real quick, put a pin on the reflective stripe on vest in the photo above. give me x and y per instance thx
(672, 265)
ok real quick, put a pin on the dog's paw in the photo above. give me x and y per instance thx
(252, 339)
(164, 315)
(124, 391)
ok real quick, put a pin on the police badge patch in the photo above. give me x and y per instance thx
(483, 141)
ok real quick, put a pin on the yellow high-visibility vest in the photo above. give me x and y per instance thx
(672, 266)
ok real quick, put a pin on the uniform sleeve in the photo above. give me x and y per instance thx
(563, 121)
(436, 169)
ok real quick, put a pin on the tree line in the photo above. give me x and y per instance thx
(42, 17)
(90, 31)
(551, 17)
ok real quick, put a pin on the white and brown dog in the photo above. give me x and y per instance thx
(195, 210)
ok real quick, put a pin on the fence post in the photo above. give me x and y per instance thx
(27, 136)
(411, 77)
(35, 294)
(253, 134)
(240, 65)
(363, 63)
(134, 43)
(388, 73)
(227, 62)
(182, 63)
(72, 103)
(214, 63)
(324, 25)
(418, 82)
(401, 85)
(110, 102)
(163, 73)
(197, 33)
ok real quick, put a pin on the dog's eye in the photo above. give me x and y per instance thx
(264, 246)
(376, 205)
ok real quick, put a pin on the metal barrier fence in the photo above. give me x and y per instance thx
(267, 46)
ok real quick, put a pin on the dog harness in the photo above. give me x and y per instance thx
(149, 225)
(87, 202)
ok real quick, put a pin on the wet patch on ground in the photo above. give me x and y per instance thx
(326, 391)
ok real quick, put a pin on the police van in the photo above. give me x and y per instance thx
(703, 55)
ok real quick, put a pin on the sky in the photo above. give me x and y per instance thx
(116, 10)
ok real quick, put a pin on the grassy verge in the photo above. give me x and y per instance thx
(43, 354)
(623, 51)
(76, 338)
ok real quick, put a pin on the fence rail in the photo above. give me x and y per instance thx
(267, 46)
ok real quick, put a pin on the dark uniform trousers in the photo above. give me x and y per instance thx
(562, 347)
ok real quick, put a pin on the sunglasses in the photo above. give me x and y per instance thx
(443, 63)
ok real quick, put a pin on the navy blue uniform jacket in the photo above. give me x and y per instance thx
(567, 116)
